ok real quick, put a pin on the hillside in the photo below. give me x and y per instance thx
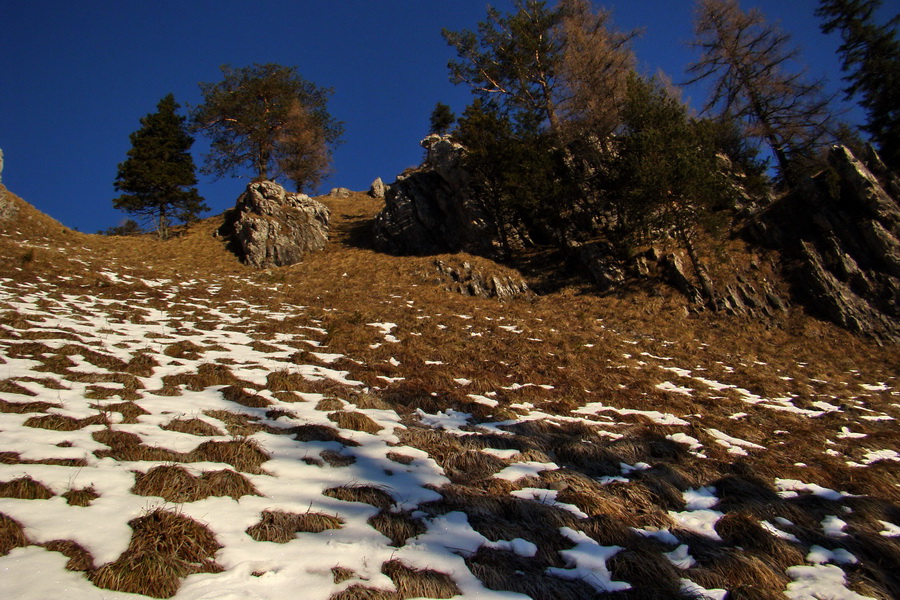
(175, 424)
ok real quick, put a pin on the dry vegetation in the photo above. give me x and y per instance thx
(570, 379)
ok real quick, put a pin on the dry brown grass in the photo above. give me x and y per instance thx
(25, 488)
(356, 421)
(367, 494)
(81, 496)
(165, 548)
(79, 558)
(281, 527)
(397, 526)
(63, 423)
(244, 454)
(240, 396)
(319, 433)
(12, 535)
(337, 459)
(193, 426)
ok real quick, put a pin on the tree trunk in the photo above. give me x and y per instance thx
(706, 284)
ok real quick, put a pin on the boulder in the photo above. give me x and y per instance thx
(430, 210)
(340, 192)
(840, 237)
(377, 189)
(1, 165)
(470, 281)
(269, 227)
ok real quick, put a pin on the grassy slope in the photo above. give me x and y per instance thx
(582, 349)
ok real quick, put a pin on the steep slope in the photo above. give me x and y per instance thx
(349, 428)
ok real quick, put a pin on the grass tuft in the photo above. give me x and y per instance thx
(165, 548)
(354, 420)
(81, 496)
(281, 527)
(367, 494)
(12, 535)
(25, 488)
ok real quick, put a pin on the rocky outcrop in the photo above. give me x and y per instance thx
(431, 210)
(840, 236)
(340, 192)
(471, 281)
(272, 228)
(377, 189)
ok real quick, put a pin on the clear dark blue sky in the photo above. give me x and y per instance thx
(76, 77)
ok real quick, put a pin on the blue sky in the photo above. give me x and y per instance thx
(76, 77)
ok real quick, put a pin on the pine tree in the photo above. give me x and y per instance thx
(158, 177)
(442, 119)
(268, 119)
(749, 62)
(871, 60)
(669, 177)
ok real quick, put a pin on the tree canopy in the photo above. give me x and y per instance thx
(158, 177)
(269, 120)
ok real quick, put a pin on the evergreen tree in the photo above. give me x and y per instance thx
(158, 176)
(268, 119)
(871, 60)
(749, 62)
(442, 119)
(669, 177)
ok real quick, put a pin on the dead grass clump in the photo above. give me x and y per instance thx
(276, 413)
(165, 548)
(738, 569)
(171, 482)
(342, 574)
(471, 466)
(367, 494)
(14, 458)
(646, 569)
(12, 535)
(504, 571)
(141, 364)
(185, 349)
(240, 396)
(237, 424)
(364, 401)
(25, 488)
(193, 426)
(419, 583)
(327, 404)
(354, 420)
(282, 527)
(9, 386)
(285, 381)
(319, 433)
(129, 411)
(336, 459)
(79, 558)
(127, 446)
(25, 407)
(742, 529)
(226, 482)
(403, 459)
(62, 423)
(439, 445)
(397, 526)
(638, 504)
(243, 454)
(81, 496)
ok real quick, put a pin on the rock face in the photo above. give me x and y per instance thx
(431, 211)
(272, 228)
(841, 238)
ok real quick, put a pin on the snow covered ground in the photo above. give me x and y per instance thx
(101, 395)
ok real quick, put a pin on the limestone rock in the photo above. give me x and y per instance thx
(840, 235)
(271, 228)
(605, 270)
(430, 210)
(470, 281)
(340, 192)
(377, 189)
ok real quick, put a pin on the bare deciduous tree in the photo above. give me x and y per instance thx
(755, 79)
